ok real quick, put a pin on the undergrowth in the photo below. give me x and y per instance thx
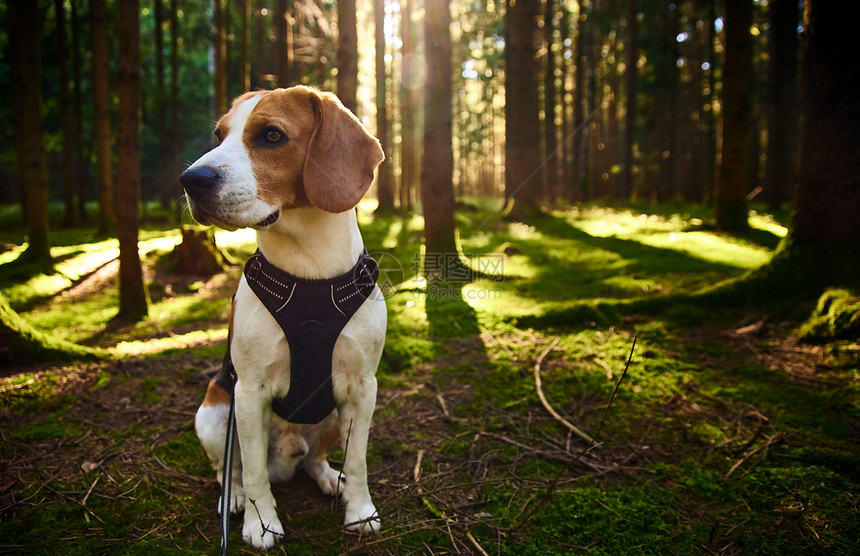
(727, 434)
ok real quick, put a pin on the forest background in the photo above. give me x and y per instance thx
(560, 178)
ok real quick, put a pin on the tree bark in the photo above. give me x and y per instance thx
(782, 135)
(347, 54)
(631, 72)
(81, 168)
(408, 108)
(244, 47)
(385, 176)
(522, 125)
(101, 115)
(282, 51)
(437, 165)
(549, 101)
(220, 47)
(25, 35)
(731, 204)
(67, 118)
(132, 293)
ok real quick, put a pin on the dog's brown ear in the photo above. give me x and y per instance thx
(341, 156)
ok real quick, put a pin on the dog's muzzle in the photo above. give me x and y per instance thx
(199, 182)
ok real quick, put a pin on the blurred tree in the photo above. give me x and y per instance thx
(630, 78)
(731, 204)
(24, 20)
(437, 164)
(783, 121)
(101, 114)
(67, 118)
(347, 54)
(219, 47)
(409, 70)
(283, 43)
(550, 129)
(522, 125)
(132, 292)
(78, 142)
(385, 176)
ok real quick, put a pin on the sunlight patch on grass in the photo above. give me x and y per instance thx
(191, 340)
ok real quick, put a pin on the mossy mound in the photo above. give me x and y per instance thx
(836, 317)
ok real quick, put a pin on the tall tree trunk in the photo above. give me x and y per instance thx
(782, 135)
(820, 250)
(132, 293)
(437, 165)
(220, 47)
(347, 54)
(408, 107)
(550, 130)
(259, 67)
(78, 144)
(385, 177)
(710, 105)
(163, 182)
(244, 47)
(579, 131)
(283, 43)
(67, 118)
(176, 188)
(25, 45)
(101, 114)
(731, 204)
(522, 126)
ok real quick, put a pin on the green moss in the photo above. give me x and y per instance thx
(836, 317)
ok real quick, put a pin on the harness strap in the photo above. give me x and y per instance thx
(227, 379)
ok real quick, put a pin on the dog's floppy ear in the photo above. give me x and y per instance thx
(341, 156)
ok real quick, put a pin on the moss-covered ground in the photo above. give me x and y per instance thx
(733, 430)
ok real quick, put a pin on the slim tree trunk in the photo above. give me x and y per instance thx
(163, 183)
(25, 33)
(67, 118)
(347, 54)
(550, 130)
(244, 47)
(580, 132)
(101, 115)
(78, 143)
(220, 47)
(522, 135)
(282, 52)
(631, 75)
(132, 293)
(731, 205)
(385, 177)
(408, 108)
(782, 135)
(437, 165)
(176, 188)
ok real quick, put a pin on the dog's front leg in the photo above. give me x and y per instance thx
(355, 417)
(262, 529)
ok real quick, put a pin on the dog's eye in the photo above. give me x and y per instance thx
(272, 136)
(217, 134)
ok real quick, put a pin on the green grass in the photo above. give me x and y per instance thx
(721, 437)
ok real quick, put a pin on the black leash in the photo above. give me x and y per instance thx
(227, 473)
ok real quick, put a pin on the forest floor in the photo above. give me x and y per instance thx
(724, 435)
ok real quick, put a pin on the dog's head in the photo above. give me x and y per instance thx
(278, 150)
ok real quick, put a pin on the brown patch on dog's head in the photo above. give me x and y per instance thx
(306, 148)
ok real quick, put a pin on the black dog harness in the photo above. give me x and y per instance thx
(312, 314)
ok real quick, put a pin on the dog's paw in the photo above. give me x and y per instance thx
(237, 500)
(330, 481)
(262, 529)
(363, 519)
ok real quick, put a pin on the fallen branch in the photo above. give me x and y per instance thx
(770, 442)
(570, 426)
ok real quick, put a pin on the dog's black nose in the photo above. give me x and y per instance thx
(199, 180)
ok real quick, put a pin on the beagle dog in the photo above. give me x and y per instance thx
(292, 164)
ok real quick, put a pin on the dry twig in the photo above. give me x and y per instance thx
(570, 426)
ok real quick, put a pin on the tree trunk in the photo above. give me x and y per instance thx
(283, 59)
(67, 118)
(25, 35)
(132, 293)
(437, 165)
(550, 130)
(385, 177)
(81, 169)
(163, 182)
(220, 47)
(347, 54)
(244, 47)
(579, 130)
(522, 126)
(175, 188)
(731, 204)
(408, 107)
(101, 115)
(782, 135)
